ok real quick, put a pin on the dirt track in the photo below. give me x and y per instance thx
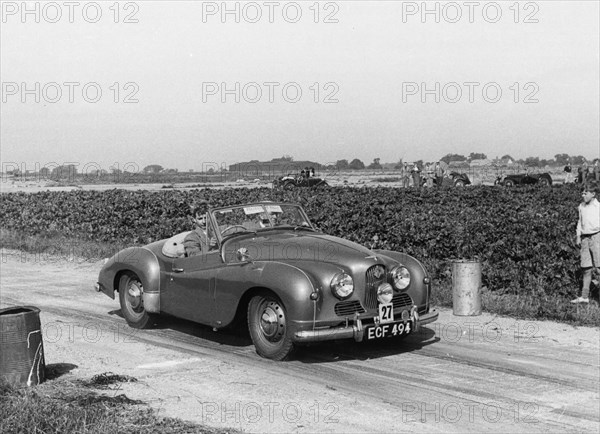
(461, 374)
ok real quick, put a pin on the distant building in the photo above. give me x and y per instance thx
(272, 168)
(480, 163)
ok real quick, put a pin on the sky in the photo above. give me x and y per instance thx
(190, 85)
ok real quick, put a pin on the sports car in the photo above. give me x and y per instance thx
(291, 181)
(270, 268)
(525, 179)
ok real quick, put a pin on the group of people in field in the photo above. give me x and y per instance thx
(585, 172)
(412, 175)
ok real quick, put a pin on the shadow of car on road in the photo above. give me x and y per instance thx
(319, 352)
(334, 351)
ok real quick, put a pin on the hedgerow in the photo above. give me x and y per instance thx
(524, 237)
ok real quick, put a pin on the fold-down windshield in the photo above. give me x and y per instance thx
(258, 217)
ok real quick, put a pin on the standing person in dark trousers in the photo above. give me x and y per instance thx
(588, 237)
(579, 175)
(439, 174)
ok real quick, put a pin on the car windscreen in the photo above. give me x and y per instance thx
(257, 217)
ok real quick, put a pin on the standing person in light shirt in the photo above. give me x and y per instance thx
(588, 237)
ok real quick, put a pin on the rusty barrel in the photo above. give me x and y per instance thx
(21, 346)
(466, 288)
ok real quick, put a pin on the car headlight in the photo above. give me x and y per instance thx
(400, 277)
(342, 285)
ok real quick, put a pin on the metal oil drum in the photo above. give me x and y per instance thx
(21, 347)
(466, 288)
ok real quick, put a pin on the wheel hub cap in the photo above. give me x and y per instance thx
(135, 296)
(272, 322)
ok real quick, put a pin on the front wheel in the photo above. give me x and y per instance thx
(509, 183)
(132, 304)
(268, 327)
(459, 183)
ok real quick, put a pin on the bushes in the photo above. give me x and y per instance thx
(523, 236)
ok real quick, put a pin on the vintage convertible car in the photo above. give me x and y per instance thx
(453, 179)
(291, 181)
(268, 266)
(525, 179)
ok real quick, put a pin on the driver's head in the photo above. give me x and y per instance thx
(198, 213)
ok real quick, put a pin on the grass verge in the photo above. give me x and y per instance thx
(62, 406)
(529, 306)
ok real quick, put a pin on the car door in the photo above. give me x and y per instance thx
(191, 286)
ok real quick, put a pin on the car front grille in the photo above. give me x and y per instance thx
(348, 308)
(401, 300)
(372, 283)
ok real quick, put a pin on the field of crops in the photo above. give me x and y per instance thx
(524, 237)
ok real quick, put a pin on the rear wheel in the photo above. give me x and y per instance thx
(289, 185)
(546, 181)
(459, 183)
(268, 327)
(132, 304)
(509, 183)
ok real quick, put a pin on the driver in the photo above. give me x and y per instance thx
(197, 242)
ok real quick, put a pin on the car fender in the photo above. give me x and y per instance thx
(420, 285)
(239, 282)
(141, 261)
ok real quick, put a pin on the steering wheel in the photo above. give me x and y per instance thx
(233, 227)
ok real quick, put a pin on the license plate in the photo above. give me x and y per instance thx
(386, 313)
(388, 330)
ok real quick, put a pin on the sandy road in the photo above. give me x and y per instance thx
(461, 374)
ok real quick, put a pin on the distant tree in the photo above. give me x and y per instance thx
(356, 164)
(561, 159)
(67, 171)
(532, 161)
(375, 164)
(153, 168)
(507, 157)
(342, 164)
(419, 164)
(578, 160)
(477, 156)
(453, 157)
(399, 164)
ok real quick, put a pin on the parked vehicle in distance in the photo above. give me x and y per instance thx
(271, 269)
(524, 179)
(460, 179)
(305, 178)
(455, 179)
(291, 181)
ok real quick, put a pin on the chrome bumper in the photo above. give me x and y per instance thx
(356, 330)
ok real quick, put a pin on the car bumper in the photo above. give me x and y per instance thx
(356, 330)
